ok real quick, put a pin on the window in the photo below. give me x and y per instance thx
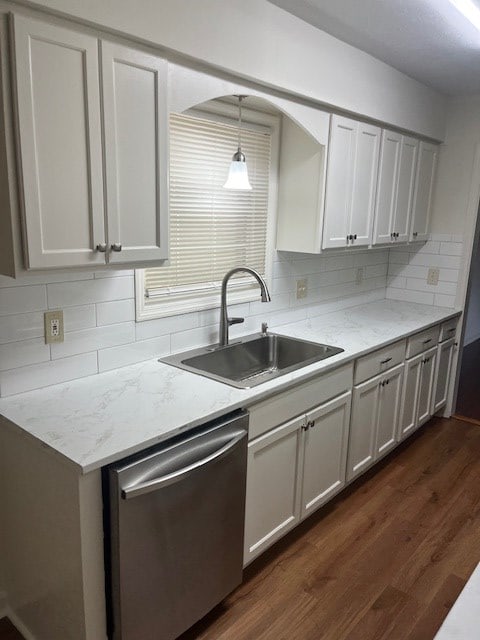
(213, 229)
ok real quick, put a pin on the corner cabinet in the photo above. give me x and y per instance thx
(78, 130)
(350, 184)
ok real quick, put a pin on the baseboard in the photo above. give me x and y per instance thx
(18, 624)
(3, 604)
(466, 419)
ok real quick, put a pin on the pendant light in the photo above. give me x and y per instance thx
(238, 175)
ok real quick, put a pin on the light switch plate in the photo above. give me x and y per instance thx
(54, 326)
(433, 276)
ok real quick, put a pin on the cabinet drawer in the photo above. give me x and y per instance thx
(282, 407)
(374, 363)
(422, 341)
(448, 329)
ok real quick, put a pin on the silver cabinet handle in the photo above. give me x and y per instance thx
(385, 361)
(181, 474)
(427, 341)
(102, 247)
(116, 246)
(415, 234)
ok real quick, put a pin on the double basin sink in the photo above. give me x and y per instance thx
(252, 360)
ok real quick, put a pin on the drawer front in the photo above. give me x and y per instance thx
(448, 329)
(286, 405)
(422, 341)
(374, 363)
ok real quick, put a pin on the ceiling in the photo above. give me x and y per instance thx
(429, 40)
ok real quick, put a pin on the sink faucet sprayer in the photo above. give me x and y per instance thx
(225, 321)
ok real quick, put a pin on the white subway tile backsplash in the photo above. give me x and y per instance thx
(94, 339)
(409, 281)
(162, 326)
(24, 326)
(20, 354)
(77, 318)
(116, 357)
(15, 300)
(410, 296)
(444, 301)
(99, 308)
(115, 311)
(48, 373)
(89, 291)
(451, 248)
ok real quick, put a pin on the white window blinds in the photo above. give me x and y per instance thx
(211, 229)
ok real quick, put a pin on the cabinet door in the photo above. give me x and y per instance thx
(339, 184)
(425, 392)
(273, 487)
(364, 183)
(411, 386)
(405, 189)
(60, 149)
(390, 395)
(361, 445)
(136, 153)
(422, 200)
(442, 374)
(386, 190)
(325, 457)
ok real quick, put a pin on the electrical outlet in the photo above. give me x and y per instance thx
(53, 326)
(359, 276)
(302, 288)
(433, 276)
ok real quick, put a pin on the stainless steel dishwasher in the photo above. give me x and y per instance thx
(176, 520)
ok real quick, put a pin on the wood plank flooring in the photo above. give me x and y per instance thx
(385, 560)
(468, 399)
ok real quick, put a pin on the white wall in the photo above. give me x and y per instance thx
(259, 41)
(454, 176)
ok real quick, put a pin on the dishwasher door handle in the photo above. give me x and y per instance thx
(181, 474)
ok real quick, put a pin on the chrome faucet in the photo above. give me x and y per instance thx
(225, 321)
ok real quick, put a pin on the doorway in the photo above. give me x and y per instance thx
(467, 404)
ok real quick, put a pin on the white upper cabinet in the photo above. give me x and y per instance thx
(422, 200)
(396, 180)
(58, 106)
(351, 182)
(136, 153)
(66, 165)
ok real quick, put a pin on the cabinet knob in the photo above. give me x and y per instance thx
(415, 234)
(355, 236)
(102, 247)
(116, 246)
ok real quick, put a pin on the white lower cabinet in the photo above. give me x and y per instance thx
(375, 417)
(273, 489)
(325, 452)
(418, 391)
(293, 470)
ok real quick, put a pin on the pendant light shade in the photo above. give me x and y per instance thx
(238, 174)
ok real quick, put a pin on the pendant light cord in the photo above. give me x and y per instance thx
(240, 98)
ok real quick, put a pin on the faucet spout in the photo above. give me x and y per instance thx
(225, 321)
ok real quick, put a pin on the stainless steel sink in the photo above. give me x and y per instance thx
(253, 360)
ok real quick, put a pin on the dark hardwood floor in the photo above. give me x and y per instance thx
(468, 399)
(385, 559)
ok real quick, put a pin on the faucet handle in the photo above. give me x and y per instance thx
(235, 321)
(264, 328)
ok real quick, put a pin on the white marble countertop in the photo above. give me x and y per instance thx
(463, 620)
(103, 418)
